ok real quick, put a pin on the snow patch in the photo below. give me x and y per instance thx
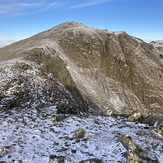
(33, 137)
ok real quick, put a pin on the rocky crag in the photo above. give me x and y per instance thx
(82, 69)
(159, 47)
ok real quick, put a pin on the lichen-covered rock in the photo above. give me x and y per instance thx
(79, 133)
(132, 157)
(128, 142)
(54, 119)
(136, 154)
(135, 116)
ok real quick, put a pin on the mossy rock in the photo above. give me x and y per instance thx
(54, 119)
(135, 154)
(132, 157)
(128, 142)
(79, 133)
(135, 116)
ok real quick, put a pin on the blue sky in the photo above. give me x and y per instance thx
(20, 19)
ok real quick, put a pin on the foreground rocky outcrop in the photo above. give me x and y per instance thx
(35, 136)
(136, 154)
(86, 69)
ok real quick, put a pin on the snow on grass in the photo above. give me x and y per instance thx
(33, 137)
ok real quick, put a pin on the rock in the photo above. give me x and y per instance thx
(63, 108)
(159, 126)
(79, 133)
(4, 150)
(54, 119)
(135, 116)
(148, 120)
(132, 157)
(127, 142)
(59, 159)
(17, 161)
(159, 123)
(136, 154)
(93, 160)
(58, 118)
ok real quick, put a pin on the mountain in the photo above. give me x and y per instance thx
(83, 69)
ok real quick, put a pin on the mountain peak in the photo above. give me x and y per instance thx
(70, 24)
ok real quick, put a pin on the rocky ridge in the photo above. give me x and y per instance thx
(158, 45)
(108, 71)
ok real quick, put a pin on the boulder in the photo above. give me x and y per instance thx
(63, 108)
(159, 123)
(135, 154)
(79, 133)
(159, 126)
(135, 116)
(132, 157)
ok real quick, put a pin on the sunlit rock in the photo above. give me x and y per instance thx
(135, 116)
(79, 133)
(136, 154)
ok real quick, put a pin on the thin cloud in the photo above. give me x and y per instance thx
(6, 42)
(52, 5)
(18, 7)
(90, 3)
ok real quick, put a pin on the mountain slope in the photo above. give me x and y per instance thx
(112, 71)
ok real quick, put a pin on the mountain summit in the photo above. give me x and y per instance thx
(79, 68)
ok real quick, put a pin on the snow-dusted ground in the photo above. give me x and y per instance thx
(31, 136)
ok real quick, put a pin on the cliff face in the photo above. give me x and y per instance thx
(111, 71)
(158, 45)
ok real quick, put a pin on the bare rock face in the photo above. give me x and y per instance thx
(158, 45)
(111, 71)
